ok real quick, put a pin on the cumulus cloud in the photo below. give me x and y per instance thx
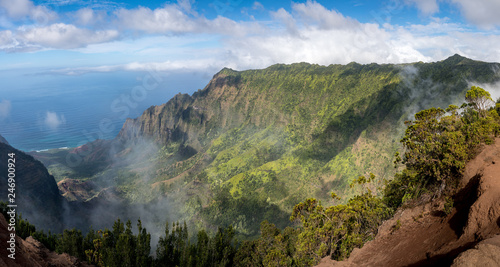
(179, 18)
(483, 13)
(161, 20)
(5, 107)
(318, 35)
(52, 120)
(317, 15)
(64, 36)
(25, 8)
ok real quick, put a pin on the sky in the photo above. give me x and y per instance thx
(80, 44)
(75, 37)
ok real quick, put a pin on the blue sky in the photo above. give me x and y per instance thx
(74, 37)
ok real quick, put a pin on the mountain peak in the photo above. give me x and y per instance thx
(457, 59)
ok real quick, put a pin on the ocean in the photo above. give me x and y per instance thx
(45, 111)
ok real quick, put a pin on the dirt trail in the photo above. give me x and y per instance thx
(427, 238)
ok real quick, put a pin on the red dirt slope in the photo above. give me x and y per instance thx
(427, 238)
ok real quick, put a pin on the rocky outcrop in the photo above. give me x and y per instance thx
(485, 254)
(31, 253)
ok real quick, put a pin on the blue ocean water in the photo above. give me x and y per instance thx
(44, 111)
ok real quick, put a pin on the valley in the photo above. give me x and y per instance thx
(248, 148)
(252, 144)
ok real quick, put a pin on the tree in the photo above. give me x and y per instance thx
(338, 229)
(143, 246)
(434, 145)
(126, 246)
(71, 242)
(439, 143)
(480, 99)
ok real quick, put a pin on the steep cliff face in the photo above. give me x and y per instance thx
(225, 103)
(36, 192)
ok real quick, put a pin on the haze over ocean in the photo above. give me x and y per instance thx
(54, 111)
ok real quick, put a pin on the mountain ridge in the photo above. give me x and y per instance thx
(274, 136)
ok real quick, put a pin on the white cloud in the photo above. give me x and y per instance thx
(179, 18)
(25, 8)
(309, 32)
(318, 35)
(85, 16)
(5, 107)
(88, 16)
(313, 12)
(63, 36)
(186, 6)
(5, 38)
(483, 13)
(257, 6)
(52, 120)
(427, 7)
(18, 8)
(161, 20)
(286, 18)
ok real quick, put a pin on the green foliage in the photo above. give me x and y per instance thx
(71, 242)
(338, 229)
(479, 98)
(448, 205)
(438, 144)
(396, 226)
(273, 248)
(175, 248)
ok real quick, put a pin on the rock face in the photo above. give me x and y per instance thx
(485, 254)
(36, 192)
(31, 253)
(225, 103)
(466, 237)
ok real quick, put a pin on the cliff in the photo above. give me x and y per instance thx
(36, 192)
